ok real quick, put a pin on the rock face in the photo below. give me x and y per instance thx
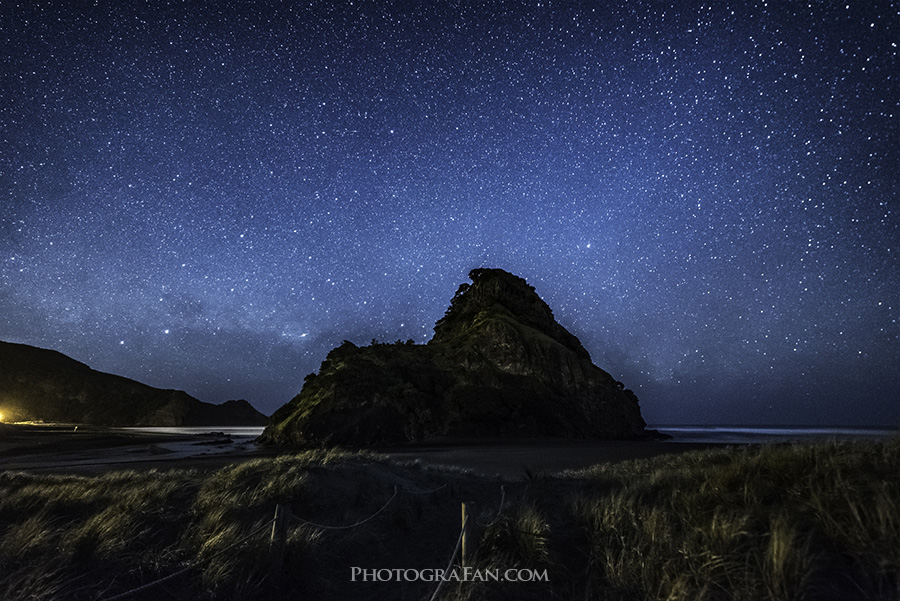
(43, 385)
(499, 365)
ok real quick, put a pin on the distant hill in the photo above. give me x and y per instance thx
(499, 365)
(44, 385)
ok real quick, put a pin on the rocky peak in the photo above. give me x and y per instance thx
(500, 293)
(499, 365)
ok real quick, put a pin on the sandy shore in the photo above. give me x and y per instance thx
(515, 459)
(62, 448)
(67, 448)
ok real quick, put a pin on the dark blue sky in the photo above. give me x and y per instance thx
(210, 196)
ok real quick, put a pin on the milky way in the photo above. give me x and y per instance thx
(210, 196)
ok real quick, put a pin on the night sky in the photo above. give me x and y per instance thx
(211, 196)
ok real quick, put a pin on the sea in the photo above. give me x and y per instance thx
(772, 434)
(238, 432)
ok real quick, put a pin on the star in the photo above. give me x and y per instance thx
(705, 196)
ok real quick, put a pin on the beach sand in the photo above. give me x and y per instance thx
(67, 448)
(63, 448)
(518, 459)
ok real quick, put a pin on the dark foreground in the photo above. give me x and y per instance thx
(812, 521)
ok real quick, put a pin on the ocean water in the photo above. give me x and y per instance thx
(771, 434)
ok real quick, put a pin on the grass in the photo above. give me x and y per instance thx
(778, 522)
(774, 523)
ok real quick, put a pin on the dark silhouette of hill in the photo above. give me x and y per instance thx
(44, 385)
(499, 365)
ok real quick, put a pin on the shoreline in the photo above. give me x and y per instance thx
(80, 449)
(91, 450)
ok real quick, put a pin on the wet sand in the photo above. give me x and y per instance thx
(61, 448)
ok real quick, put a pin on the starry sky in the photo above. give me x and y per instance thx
(210, 196)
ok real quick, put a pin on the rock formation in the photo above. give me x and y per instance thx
(43, 385)
(499, 365)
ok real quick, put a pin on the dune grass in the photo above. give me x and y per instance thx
(73, 537)
(774, 523)
(771, 523)
(815, 521)
(60, 534)
(777, 522)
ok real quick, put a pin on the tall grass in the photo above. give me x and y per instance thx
(776, 523)
(228, 532)
(58, 534)
(72, 537)
(772, 523)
